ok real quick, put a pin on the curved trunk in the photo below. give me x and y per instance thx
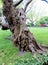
(22, 37)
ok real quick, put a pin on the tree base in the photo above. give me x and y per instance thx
(26, 42)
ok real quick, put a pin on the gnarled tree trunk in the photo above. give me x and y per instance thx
(22, 37)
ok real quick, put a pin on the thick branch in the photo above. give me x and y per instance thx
(15, 5)
(45, 1)
(27, 5)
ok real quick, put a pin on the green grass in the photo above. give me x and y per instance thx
(41, 34)
(9, 54)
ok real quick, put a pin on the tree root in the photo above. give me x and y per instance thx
(27, 42)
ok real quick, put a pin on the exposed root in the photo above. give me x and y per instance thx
(43, 46)
(27, 42)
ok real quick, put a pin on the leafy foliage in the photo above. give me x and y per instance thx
(32, 60)
(0, 3)
(42, 20)
(30, 24)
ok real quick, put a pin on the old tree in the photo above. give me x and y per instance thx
(22, 37)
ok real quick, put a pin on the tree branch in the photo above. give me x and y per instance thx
(45, 1)
(27, 5)
(15, 5)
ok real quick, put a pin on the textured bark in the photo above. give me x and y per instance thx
(22, 37)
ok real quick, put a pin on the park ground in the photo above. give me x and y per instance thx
(9, 54)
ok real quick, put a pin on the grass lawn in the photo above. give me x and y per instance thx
(41, 34)
(9, 55)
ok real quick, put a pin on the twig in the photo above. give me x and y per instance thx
(27, 5)
(15, 5)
